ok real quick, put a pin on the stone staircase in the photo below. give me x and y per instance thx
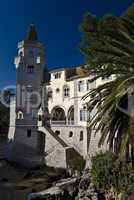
(58, 153)
(49, 131)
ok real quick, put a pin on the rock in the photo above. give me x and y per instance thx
(85, 182)
(70, 189)
(54, 191)
(70, 185)
(87, 191)
(63, 189)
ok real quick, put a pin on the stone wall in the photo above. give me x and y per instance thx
(22, 137)
(79, 144)
(23, 154)
(93, 145)
(57, 158)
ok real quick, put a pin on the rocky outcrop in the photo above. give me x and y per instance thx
(70, 188)
(86, 189)
(63, 189)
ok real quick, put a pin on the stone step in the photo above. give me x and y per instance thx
(48, 130)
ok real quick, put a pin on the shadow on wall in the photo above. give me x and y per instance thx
(23, 155)
(74, 160)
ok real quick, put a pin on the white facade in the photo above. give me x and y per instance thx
(74, 132)
(72, 127)
(56, 129)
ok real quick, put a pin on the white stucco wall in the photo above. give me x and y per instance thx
(74, 99)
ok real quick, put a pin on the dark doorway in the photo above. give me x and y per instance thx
(41, 142)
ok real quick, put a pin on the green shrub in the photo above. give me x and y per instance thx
(102, 165)
(109, 172)
(77, 163)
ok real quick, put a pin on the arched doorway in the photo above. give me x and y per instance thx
(58, 116)
(70, 115)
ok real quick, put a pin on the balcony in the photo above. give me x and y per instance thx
(58, 116)
(69, 123)
(58, 122)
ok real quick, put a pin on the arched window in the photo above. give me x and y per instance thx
(57, 132)
(57, 90)
(70, 134)
(71, 115)
(40, 118)
(20, 115)
(66, 91)
(20, 53)
(81, 135)
(58, 115)
(49, 93)
(81, 86)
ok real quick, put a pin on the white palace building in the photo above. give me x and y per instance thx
(55, 130)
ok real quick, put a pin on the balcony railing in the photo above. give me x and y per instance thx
(70, 122)
(61, 122)
(58, 122)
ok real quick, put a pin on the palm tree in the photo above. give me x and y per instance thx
(108, 45)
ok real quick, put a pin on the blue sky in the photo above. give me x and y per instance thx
(57, 24)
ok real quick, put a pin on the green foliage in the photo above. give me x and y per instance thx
(77, 163)
(109, 172)
(108, 46)
(102, 165)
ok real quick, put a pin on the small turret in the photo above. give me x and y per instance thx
(32, 34)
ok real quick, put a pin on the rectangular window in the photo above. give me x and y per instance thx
(29, 88)
(40, 118)
(66, 92)
(30, 69)
(38, 60)
(34, 113)
(29, 133)
(81, 86)
(57, 75)
(83, 115)
(88, 85)
(81, 136)
(49, 93)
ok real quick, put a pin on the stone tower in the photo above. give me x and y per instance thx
(30, 63)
